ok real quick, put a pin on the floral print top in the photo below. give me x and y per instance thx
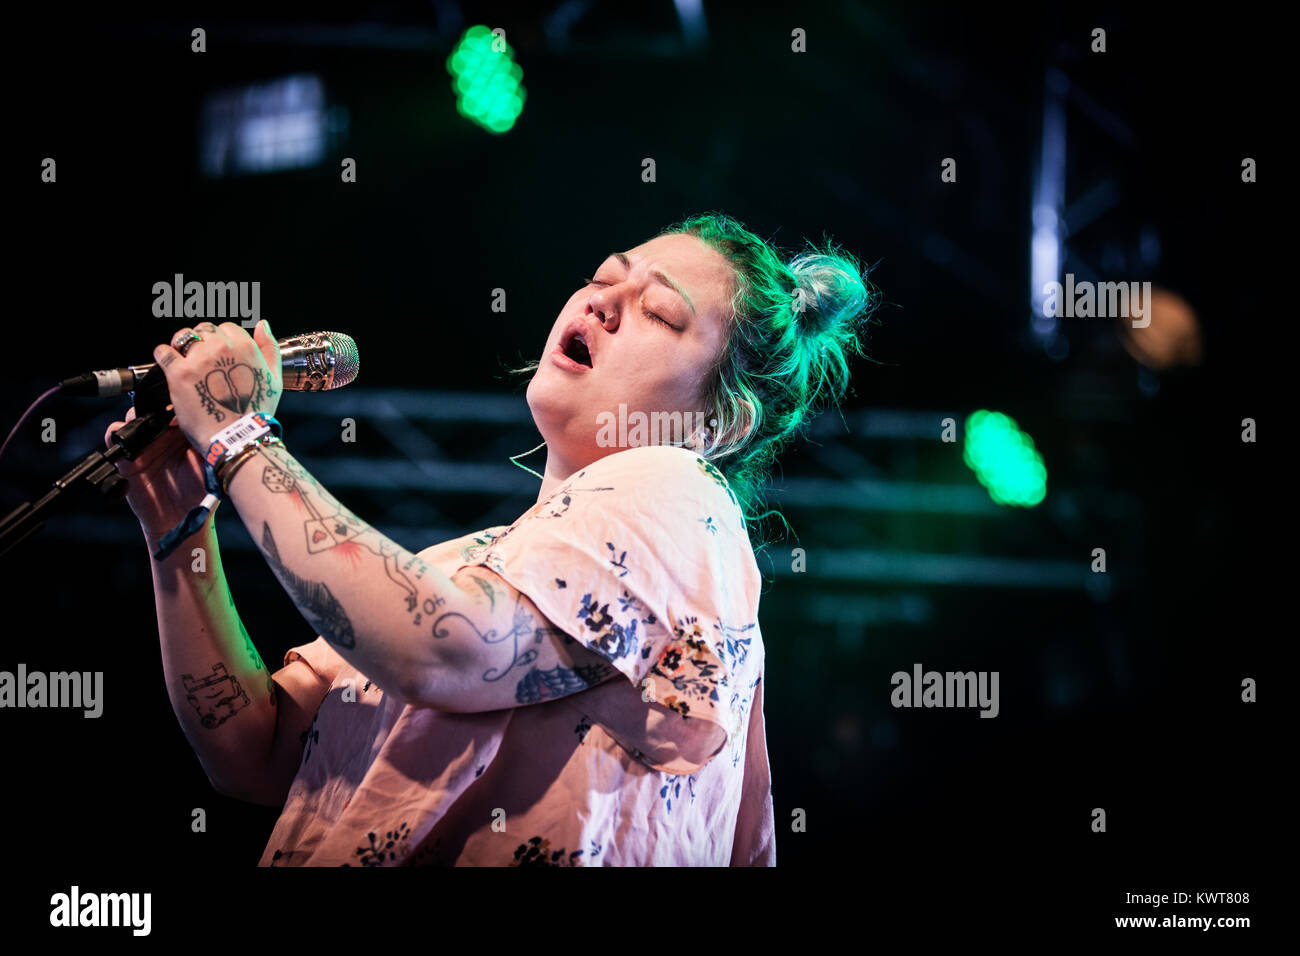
(642, 557)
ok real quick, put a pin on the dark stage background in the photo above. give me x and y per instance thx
(1120, 691)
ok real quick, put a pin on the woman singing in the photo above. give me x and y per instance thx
(583, 687)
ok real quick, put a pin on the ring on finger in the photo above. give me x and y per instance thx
(184, 339)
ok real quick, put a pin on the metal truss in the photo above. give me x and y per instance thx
(425, 467)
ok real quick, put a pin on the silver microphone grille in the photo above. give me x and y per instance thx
(347, 362)
(319, 361)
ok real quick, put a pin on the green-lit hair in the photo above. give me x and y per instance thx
(792, 329)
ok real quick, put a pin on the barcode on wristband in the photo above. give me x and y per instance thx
(232, 437)
(241, 431)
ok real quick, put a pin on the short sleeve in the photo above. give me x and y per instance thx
(319, 656)
(643, 558)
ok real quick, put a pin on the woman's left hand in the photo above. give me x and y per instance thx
(224, 376)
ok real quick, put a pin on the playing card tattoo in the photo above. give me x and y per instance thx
(330, 526)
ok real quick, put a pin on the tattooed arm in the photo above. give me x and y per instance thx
(220, 690)
(508, 655)
(464, 645)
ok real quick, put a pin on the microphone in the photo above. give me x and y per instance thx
(312, 362)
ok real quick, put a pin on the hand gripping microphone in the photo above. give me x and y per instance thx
(313, 362)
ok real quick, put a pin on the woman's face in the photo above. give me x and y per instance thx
(652, 324)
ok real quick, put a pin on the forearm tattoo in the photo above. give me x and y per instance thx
(328, 526)
(254, 658)
(313, 598)
(216, 697)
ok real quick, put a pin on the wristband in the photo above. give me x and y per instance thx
(232, 438)
(236, 440)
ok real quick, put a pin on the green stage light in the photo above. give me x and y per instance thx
(1004, 459)
(487, 82)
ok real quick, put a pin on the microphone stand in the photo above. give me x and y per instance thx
(97, 470)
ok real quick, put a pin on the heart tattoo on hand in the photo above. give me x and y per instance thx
(233, 386)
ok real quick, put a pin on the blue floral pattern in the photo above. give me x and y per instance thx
(672, 788)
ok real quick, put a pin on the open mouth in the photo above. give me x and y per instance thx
(576, 348)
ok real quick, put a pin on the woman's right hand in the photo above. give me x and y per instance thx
(164, 482)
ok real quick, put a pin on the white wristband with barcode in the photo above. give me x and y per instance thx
(234, 437)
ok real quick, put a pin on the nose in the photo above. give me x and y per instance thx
(604, 311)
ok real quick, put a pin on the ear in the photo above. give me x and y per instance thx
(746, 421)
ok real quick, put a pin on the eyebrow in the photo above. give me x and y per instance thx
(627, 264)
